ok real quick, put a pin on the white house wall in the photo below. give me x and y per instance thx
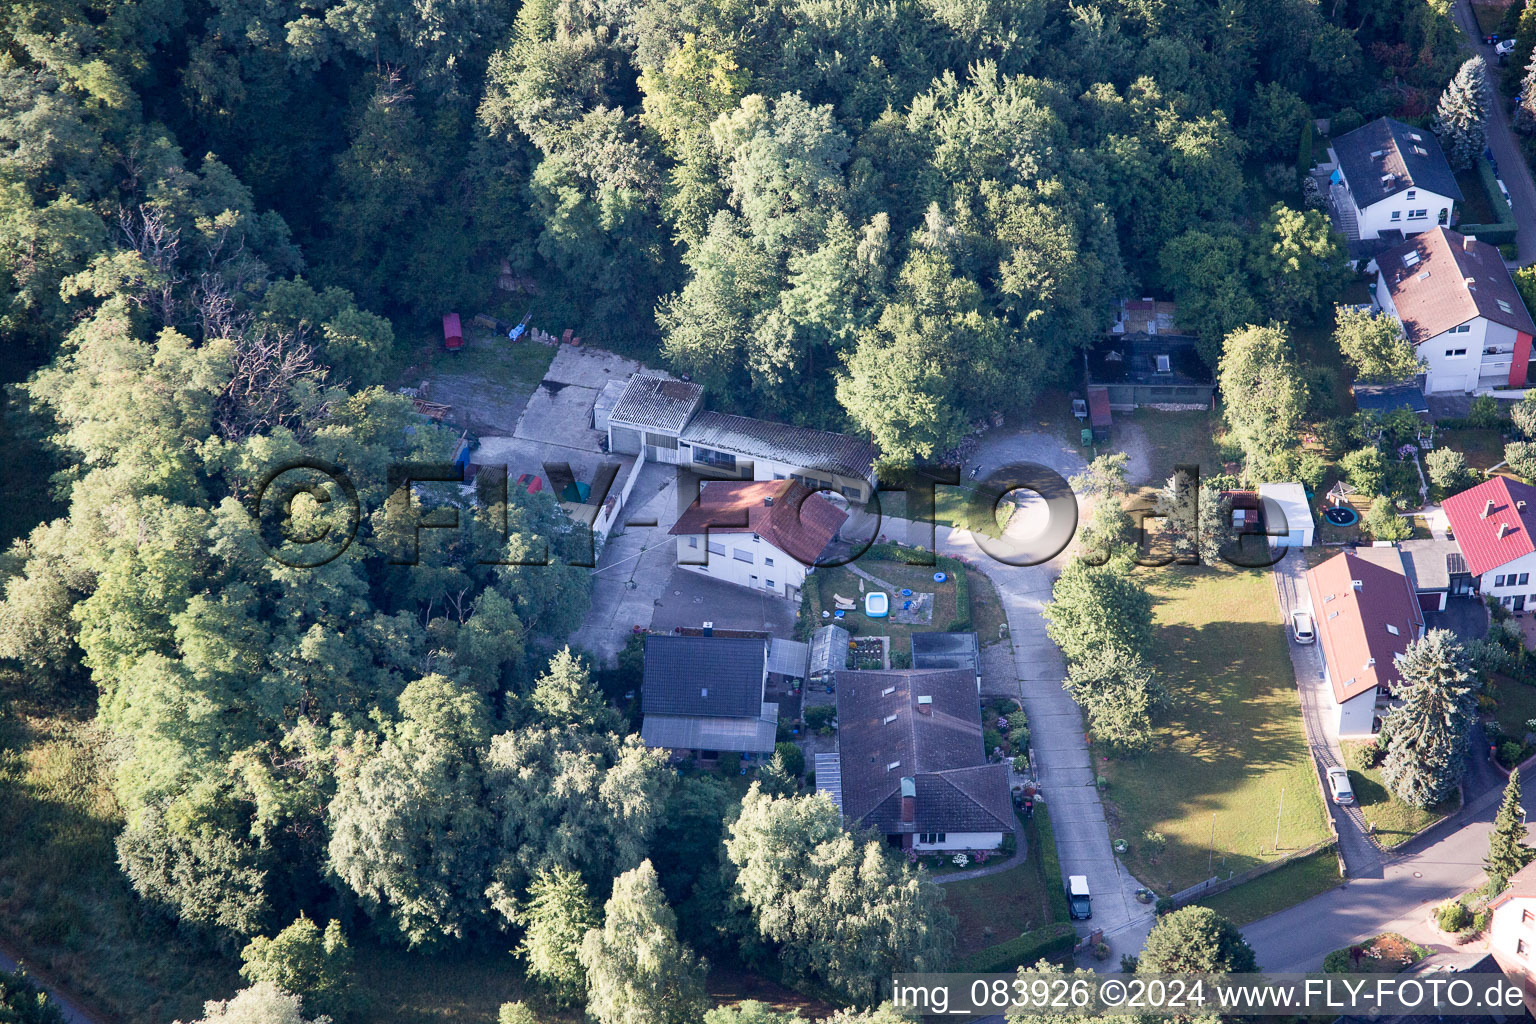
(1357, 713)
(1378, 217)
(1512, 588)
(962, 841)
(785, 574)
(1456, 373)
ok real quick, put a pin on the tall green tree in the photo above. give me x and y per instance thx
(637, 970)
(1196, 940)
(1427, 732)
(1507, 852)
(1374, 344)
(22, 1002)
(1461, 117)
(1263, 398)
(1098, 607)
(305, 961)
(556, 919)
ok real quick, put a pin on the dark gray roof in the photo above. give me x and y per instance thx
(886, 733)
(946, 650)
(1385, 157)
(1430, 563)
(1389, 397)
(764, 439)
(657, 402)
(703, 676)
(691, 732)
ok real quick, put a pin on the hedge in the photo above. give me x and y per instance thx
(1050, 863)
(1304, 148)
(1504, 230)
(1026, 950)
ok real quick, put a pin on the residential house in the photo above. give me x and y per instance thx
(1392, 180)
(911, 764)
(1512, 931)
(1460, 309)
(948, 650)
(765, 534)
(1494, 524)
(1147, 359)
(1436, 571)
(660, 416)
(1366, 616)
(702, 696)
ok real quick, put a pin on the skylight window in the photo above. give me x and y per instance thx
(1416, 137)
(1505, 306)
(887, 691)
(1410, 259)
(893, 766)
(1393, 630)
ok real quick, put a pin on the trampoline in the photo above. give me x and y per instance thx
(1342, 515)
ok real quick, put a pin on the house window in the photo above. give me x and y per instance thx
(1520, 947)
(1412, 194)
(1498, 581)
(756, 538)
(693, 542)
(768, 560)
(931, 838)
(1417, 214)
(716, 548)
(660, 440)
(1461, 329)
(1525, 578)
(855, 493)
(1397, 214)
(741, 556)
(709, 457)
(1526, 917)
(770, 585)
(1455, 353)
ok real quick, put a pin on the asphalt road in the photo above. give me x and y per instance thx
(73, 1014)
(1501, 140)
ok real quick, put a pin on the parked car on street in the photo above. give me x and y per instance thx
(1339, 788)
(1302, 628)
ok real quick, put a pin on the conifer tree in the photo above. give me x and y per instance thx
(1462, 114)
(1427, 749)
(1507, 852)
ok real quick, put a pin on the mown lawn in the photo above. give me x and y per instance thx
(1281, 888)
(996, 908)
(1234, 740)
(1395, 821)
(1517, 706)
(918, 578)
(1175, 439)
(1482, 448)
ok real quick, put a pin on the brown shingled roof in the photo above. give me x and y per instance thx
(1362, 629)
(1440, 279)
(785, 513)
(888, 731)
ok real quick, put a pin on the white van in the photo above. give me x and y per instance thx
(1079, 902)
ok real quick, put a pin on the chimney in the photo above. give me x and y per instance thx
(1487, 509)
(1466, 242)
(1503, 529)
(768, 501)
(1520, 505)
(908, 800)
(709, 628)
(925, 705)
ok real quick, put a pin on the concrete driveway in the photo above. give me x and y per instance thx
(1501, 140)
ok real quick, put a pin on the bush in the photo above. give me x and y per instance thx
(1365, 469)
(991, 740)
(1021, 764)
(1050, 863)
(1382, 522)
(729, 764)
(1481, 919)
(1509, 753)
(1153, 843)
(1484, 413)
(1362, 758)
(1447, 469)
(1521, 456)
(1337, 962)
(1453, 916)
(793, 757)
(1101, 951)
(1164, 905)
(820, 717)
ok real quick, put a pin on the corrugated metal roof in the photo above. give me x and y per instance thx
(697, 732)
(1483, 543)
(802, 447)
(658, 403)
(829, 650)
(788, 657)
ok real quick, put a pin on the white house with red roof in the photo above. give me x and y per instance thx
(1494, 524)
(1460, 309)
(764, 534)
(1366, 615)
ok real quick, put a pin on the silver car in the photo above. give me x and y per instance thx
(1338, 786)
(1302, 628)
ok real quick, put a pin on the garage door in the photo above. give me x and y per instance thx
(1441, 383)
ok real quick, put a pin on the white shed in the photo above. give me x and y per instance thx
(1287, 515)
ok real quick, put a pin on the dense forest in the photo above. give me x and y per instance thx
(226, 225)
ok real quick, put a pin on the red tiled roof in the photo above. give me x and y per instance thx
(1352, 622)
(1479, 537)
(1440, 279)
(785, 513)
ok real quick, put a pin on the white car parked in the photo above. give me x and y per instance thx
(1504, 47)
(1338, 786)
(1302, 628)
